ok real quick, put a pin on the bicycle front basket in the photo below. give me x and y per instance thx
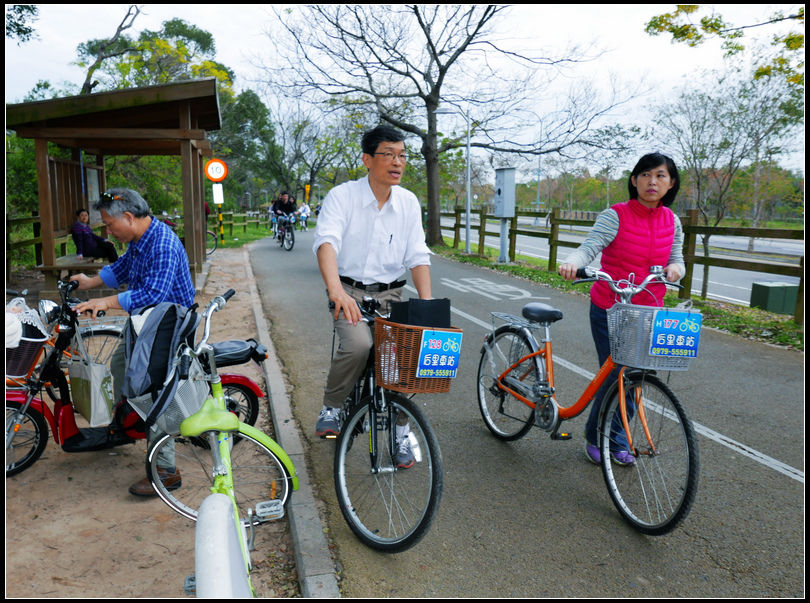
(630, 328)
(397, 350)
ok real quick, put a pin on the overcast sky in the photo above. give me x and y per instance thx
(237, 31)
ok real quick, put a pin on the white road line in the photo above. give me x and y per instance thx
(701, 429)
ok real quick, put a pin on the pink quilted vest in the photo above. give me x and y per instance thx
(644, 239)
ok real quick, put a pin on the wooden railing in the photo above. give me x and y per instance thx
(552, 226)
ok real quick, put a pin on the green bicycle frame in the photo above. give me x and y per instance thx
(213, 416)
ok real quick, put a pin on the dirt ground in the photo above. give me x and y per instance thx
(73, 529)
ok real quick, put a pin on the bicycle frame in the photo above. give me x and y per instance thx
(569, 412)
(219, 425)
(366, 386)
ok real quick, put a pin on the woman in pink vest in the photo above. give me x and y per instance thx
(631, 237)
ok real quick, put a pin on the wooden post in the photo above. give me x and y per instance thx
(482, 231)
(689, 248)
(798, 317)
(552, 239)
(45, 210)
(512, 237)
(457, 228)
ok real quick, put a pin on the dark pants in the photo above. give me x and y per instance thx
(105, 250)
(601, 339)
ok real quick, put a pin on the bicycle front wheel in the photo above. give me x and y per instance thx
(258, 474)
(30, 431)
(210, 242)
(389, 509)
(101, 343)
(507, 417)
(654, 493)
(289, 238)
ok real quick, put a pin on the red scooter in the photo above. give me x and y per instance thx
(28, 416)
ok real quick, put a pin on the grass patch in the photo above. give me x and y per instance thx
(240, 235)
(749, 323)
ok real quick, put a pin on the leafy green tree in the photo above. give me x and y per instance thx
(20, 22)
(789, 62)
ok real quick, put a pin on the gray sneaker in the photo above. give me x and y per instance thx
(328, 423)
(403, 459)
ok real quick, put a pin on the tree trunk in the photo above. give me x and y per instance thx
(430, 151)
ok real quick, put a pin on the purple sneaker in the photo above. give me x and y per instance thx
(622, 457)
(592, 454)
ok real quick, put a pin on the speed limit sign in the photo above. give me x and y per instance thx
(216, 170)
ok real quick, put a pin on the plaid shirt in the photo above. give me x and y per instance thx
(156, 269)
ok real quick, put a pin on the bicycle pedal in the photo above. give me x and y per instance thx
(269, 510)
(561, 436)
(190, 585)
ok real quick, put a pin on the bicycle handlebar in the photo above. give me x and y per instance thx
(368, 308)
(68, 287)
(215, 305)
(626, 289)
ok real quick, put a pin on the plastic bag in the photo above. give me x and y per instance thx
(92, 392)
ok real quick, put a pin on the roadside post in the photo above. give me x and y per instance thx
(504, 202)
(216, 171)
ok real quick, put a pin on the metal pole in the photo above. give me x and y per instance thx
(469, 191)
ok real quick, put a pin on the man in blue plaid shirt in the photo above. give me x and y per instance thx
(155, 267)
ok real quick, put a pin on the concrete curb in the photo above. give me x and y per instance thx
(316, 571)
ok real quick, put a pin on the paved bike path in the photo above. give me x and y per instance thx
(316, 570)
(532, 517)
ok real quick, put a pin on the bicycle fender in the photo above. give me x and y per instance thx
(241, 380)
(274, 446)
(38, 405)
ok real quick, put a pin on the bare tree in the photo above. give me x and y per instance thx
(404, 60)
(115, 46)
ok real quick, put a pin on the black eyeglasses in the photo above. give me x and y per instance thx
(389, 156)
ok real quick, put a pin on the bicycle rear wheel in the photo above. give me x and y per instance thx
(387, 508)
(210, 242)
(507, 417)
(258, 474)
(656, 492)
(30, 438)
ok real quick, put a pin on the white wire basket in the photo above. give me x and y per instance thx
(630, 328)
(189, 398)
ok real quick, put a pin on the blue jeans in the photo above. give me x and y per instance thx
(599, 331)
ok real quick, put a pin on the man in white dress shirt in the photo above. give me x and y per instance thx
(368, 233)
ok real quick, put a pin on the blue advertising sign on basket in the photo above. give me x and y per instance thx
(676, 333)
(439, 354)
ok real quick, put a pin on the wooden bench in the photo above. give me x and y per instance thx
(67, 262)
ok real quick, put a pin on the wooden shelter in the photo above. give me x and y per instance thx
(169, 119)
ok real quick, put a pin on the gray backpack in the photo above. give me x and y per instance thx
(151, 355)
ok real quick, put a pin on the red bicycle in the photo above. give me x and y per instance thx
(28, 416)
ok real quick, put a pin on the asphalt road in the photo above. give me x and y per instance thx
(533, 518)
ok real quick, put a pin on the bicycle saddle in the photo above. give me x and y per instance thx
(231, 353)
(542, 313)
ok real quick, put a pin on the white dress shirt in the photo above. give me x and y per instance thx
(372, 245)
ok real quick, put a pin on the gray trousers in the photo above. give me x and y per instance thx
(118, 369)
(355, 344)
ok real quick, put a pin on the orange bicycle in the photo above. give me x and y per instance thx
(640, 414)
